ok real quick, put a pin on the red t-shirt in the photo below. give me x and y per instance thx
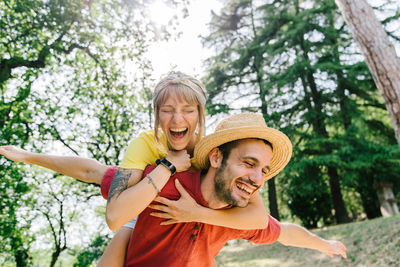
(106, 181)
(185, 244)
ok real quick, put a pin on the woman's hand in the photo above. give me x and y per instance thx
(14, 153)
(184, 209)
(180, 159)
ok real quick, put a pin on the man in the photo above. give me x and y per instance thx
(240, 156)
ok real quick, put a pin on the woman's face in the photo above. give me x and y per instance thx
(178, 120)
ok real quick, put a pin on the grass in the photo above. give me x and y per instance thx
(369, 243)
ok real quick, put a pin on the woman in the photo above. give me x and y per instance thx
(179, 102)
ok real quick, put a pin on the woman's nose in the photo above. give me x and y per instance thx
(178, 116)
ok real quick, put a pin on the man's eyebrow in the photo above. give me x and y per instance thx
(256, 160)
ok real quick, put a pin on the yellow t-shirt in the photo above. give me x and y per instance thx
(144, 150)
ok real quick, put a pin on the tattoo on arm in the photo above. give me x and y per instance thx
(119, 183)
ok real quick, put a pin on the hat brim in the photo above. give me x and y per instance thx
(281, 145)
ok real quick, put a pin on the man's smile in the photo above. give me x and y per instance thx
(246, 187)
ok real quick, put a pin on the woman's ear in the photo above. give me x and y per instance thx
(215, 157)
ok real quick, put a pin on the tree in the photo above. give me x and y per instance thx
(268, 59)
(14, 233)
(379, 53)
(90, 254)
(233, 33)
(295, 62)
(69, 74)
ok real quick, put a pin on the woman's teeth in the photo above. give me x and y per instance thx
(178, 132)
(178, 129)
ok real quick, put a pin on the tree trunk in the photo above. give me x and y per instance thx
(21, 255)
(273, 204)
(379, 53)
(257, 67)
(319, 126)
(369, 201)
(341, 214)
(54, 256)
(272, 200)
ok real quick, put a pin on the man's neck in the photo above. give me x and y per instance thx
(208, 190)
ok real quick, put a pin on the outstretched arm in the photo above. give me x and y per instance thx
(83, 169)
(297, 236)
(185, 209)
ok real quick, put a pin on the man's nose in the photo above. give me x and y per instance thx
(257, 177)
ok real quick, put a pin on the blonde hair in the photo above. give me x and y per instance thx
(185, 88)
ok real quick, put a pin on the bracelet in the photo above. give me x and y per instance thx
(152, 182)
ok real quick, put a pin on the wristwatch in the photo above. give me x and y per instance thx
(167, 164)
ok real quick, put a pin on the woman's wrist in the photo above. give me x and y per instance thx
(204, 215)
(167, 164)
(31, 158)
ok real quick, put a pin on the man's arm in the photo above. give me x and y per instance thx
(297, 236)
(186, 209)
(83, 169)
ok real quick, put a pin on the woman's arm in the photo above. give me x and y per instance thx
(129, 194)
(83, 169)
(185, 209)
(297, 236)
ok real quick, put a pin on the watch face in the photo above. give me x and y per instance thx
(166, 162)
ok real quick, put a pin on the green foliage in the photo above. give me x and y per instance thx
(91, 254)
(296, 62)
(306, 193)
(14, 233)
(71, 75)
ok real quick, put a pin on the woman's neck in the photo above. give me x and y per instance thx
(191, 145)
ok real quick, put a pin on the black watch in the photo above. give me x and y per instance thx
(167, 164)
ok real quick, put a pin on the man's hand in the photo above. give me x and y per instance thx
(14, 153)
(180, 159)
(334, 248)
(297, 236)
(184, 209)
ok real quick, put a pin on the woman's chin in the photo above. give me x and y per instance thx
(178, 147)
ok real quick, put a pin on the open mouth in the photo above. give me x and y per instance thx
(178, 132)
(244, 188)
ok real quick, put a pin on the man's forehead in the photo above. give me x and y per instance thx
(253, 148)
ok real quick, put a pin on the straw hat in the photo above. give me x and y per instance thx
(242, 126)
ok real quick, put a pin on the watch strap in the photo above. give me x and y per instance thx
(167, 164)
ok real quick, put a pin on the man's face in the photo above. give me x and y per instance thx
(242, 174)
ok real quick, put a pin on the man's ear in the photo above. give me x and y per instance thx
(215, 157)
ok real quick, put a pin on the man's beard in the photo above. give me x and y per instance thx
(222, 184)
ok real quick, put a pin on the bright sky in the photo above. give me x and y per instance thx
(186, 53)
